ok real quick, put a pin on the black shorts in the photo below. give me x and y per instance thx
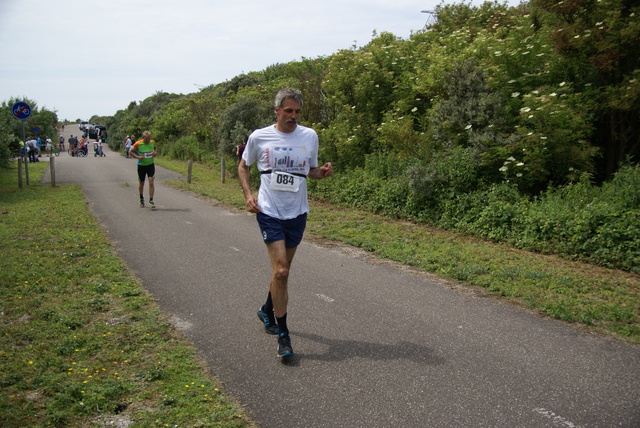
(146, 170)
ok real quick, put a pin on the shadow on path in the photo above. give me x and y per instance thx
(340, 350)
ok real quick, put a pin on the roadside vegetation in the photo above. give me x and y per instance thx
(81, 342)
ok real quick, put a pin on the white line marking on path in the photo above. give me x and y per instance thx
(325, 298)
(555, 419)
(235, 249)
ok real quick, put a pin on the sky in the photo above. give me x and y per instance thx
(82, 58)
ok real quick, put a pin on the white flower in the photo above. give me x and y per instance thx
(468, 126)
(415, 109)
(515, 94)
(562, 83)
(525, 109)
(504, 169)
(511, 159)
(518, 175)
(520, 164)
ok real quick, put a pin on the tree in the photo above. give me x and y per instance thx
(600, 44)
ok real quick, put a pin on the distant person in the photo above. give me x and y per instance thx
(127, 146)
(48, 145)
(145, 150)
(73, 145)
(32, 150)
(98, 149)
(286, 154)
(83, 145)
(61, 142)
(240, 149)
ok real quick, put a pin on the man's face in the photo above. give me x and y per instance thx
(288, 115)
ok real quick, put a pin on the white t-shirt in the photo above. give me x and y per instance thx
(294, 153)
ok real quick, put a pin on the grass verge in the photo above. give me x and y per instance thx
(601, 300)
(82, 343)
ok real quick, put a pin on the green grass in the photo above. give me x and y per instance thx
(601, 300)
(82, 343)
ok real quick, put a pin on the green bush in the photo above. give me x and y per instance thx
(597, 224)
(188, 148)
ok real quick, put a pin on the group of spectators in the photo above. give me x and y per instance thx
(78, 147)
(128, 143)
(33, 148)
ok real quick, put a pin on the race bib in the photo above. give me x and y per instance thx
(284, 182)
(148, 155)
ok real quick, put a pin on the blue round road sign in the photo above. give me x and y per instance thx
(21, 110)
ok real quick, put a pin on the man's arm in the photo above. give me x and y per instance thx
(243, 174)
(133, 154)
(323, 171)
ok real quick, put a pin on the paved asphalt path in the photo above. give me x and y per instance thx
(376, 345)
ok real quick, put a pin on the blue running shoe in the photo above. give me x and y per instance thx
(284, 346)
(269, 321)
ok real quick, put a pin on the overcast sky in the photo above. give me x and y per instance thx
(84, 57)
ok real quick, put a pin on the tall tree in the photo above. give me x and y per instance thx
(600, 42)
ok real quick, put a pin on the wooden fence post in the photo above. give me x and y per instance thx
(20, 172)
(53, 171)
(190, 164)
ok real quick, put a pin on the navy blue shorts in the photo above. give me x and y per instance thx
(289, 231)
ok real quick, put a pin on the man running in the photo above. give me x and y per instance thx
(286, 154)
(145, 150)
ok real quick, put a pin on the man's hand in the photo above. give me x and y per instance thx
(323, 171)
(252, 204)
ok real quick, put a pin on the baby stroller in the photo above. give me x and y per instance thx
(97, 151)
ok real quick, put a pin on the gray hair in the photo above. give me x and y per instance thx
(286, 93)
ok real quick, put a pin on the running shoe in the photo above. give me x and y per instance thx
(141, 203)
(269, 321)
(152, 205)
(284, 346)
